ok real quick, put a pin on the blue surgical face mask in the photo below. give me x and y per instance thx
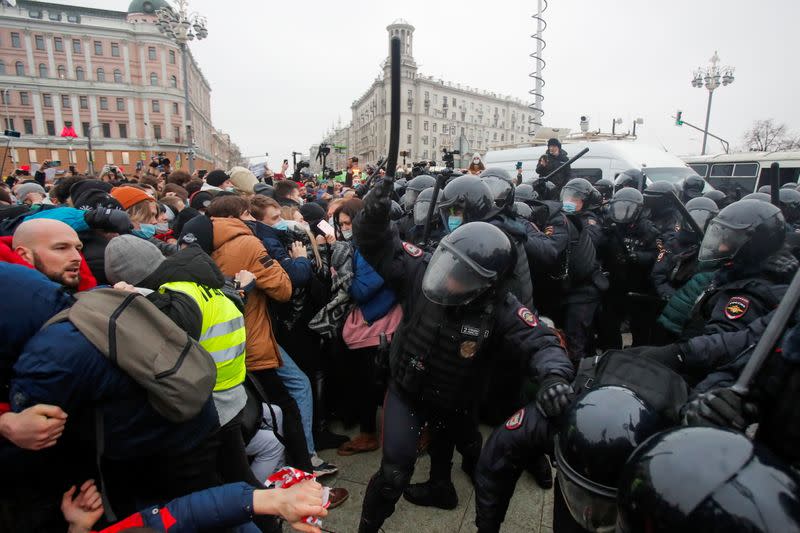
(145, 231)
(569, 207)
(230, 189)
(281, 225)
(454, 221)
(347, 234)
(162, 227)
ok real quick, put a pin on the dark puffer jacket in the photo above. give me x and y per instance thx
(679, 307)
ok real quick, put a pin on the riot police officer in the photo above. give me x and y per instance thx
(525, 193)
(420, 217)
(746, 243)
(629, 250)
(606, 188)
(631, 178)
(692, 187)
(660, 207)
(720, 198)
(502, 186)
(411, 192)
(453, 304)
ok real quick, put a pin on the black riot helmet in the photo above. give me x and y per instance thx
(789, 200)
(760, 196)
(605, 187)
(692, 187)
(746, 232)
(625, 206)
(525, 193)
(790, 185)
(720, 198)
(501, 185)
(422, 206)
(416, 186)
(766, 189)
(632, 178)
(396, 211)
(467, 197)
(709, 480)
(703, 210)
(599, 432)
(657, 197)
(579, 193)
(400, 187)
(466, 263)
(523, 210)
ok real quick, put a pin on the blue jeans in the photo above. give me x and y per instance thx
(299, 388)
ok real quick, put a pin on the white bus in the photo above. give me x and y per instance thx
(745, 172)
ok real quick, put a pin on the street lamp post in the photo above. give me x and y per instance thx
(182, 26)
(89, 146)
(711, 77)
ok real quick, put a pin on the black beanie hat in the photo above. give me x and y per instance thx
(215, 178)
(312, 213)
(201, 200)
(183, 217)
(200, 231)
(81, 187)
(554, 142)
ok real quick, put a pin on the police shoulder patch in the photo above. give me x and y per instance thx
(527, 316)
(736, 307)
(516, 420)
(591, 221)
(661, 255)
(412, 250)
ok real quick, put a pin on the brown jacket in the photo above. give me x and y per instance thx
(235, 249)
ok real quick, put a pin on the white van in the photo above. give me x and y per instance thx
(605, 159)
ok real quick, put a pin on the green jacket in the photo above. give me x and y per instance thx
(678, 310)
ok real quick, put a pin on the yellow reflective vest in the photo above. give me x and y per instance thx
(222, 333)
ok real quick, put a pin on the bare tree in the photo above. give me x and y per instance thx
(767, 135)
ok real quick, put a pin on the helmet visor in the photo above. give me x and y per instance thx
(721, 243)
(409, 198)
(500, 190)
(594, 512)
(701, 217)
(421, 212)
(623, 211)
(452, 279)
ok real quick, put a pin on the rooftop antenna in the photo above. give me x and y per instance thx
(535, 122)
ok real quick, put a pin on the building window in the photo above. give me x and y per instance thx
(15, 42)
(27, 125)
(434, 127)
(19, 68)
(153, 79)
(172, 57)
(151, 53)
(80, 74)
(110, 158)
(126, 158)
(106, 130)
(120, 104)
(58, 44)
(42, 70)
(173, 82)
(175, 109)
(65, 103)
(117, 76)
(2, 67)
(123, 130)
(98, 48)
(3, 94)
(9, 123)
(74, 18)
(32, 156)
(156, 106)
(114, 49)
(425, 125)
(409, 124)
(85, 127)
(157, 131)
(84, 102)
(62, 72)
(409, 139)
(101, 74)
(51, 128)
(104, 103)
(48, 100)
(177, 134)
(39, 40)
(24, 99)
(76, 46)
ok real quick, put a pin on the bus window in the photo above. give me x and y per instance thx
(746, 169)
(701, 169)
(722, 170)
(734, 187)
(787, 175)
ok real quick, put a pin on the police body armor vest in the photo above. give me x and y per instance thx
(578, 261)
(436, 354)
(222, 333)
(759, 289)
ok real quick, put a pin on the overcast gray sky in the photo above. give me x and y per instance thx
(283, 72)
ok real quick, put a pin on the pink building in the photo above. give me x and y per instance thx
(109, 72)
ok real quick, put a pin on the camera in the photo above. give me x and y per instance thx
(447, 157)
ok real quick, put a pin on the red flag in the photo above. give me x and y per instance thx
(68, 131)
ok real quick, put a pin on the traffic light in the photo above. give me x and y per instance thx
(11, 133)
(678, 118)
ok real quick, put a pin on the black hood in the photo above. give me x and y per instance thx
(190, 264)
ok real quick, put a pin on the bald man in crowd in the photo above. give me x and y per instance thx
(52, 247)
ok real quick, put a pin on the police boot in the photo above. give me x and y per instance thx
(436, 492)
(324, 439)
(542, 471)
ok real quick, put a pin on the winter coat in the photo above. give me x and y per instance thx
(226, 506)
(328, 322)
(369, 291)
(276, 242)
(679, 307)
(553, 162)
(235, 249)
(59, 366)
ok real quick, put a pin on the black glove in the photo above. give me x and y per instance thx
(110, 220)
(719, 408)
(378, 203)
(671, 355)
(555, 394)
